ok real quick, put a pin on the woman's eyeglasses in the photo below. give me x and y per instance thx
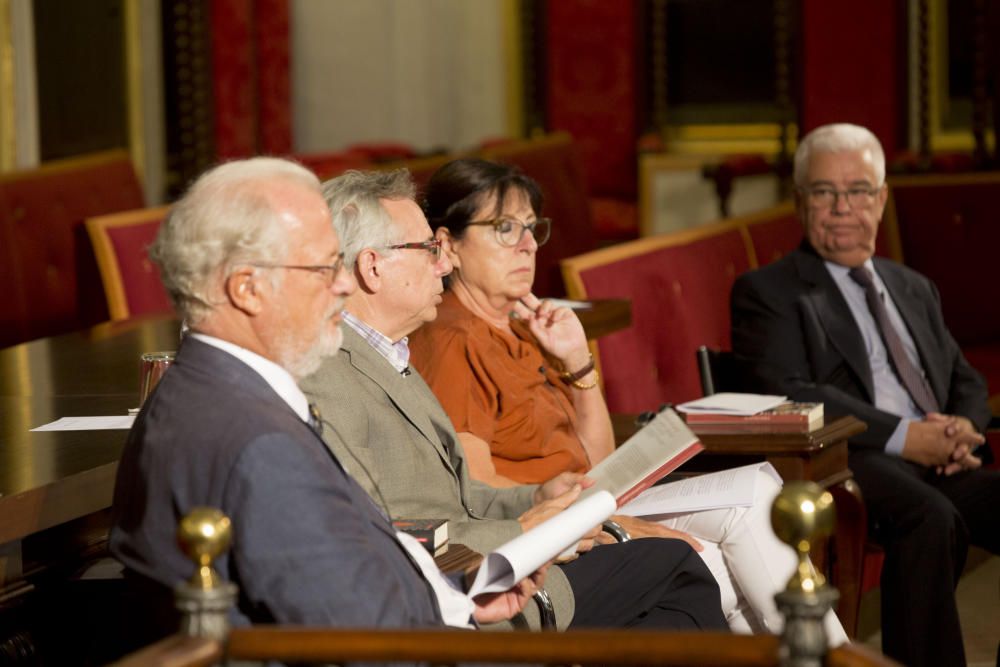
(509, 232)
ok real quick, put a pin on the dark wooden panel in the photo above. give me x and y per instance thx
(80, 60)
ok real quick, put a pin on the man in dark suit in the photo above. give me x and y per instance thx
(396, 440)
(253, 265)
(866, 337)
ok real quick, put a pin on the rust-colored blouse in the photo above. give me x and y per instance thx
(501, 389)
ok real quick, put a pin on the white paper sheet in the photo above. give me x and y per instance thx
(88, 423)
(515, 560)
(733, 404)
(726, 488)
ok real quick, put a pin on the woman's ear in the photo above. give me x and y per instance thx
(243, 289)
(448, 246)
(368, 271)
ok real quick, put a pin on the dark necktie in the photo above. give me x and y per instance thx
(315, 420)
(911, 377)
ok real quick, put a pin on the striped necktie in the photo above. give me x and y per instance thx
(911, 377)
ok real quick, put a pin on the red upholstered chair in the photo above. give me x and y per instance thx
(49, 276)
(555, 163)
(131, 282)
(679, 287)
(774, 232)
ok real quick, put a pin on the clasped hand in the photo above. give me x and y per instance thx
(944, 442)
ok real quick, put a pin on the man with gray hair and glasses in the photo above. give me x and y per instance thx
(251, 261)
(865, 336)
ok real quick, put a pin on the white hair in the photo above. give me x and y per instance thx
(839, 138)
(358, 216)
(226, 218)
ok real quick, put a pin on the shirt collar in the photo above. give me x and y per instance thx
(397, 354)
(280, 380)
(840, 272)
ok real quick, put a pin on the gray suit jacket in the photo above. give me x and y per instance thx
(794, 332)
(398, 443)
(308, 545)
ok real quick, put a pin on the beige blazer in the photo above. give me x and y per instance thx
(400, 446)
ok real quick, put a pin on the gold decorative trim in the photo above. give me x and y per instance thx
(132, 27)
(513, 66)
(8, 117)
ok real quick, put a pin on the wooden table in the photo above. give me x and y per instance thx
(53, 485)
(819, 456)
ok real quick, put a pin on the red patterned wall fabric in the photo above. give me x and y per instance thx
(849, 67)
(250, 75)
(273, 82)
(592, 87)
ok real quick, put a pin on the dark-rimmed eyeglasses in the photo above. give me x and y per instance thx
(433, 247)
(328, 272)
(509, 232)
(859, 197)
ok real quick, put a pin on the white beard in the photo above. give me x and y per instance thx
(303, 364)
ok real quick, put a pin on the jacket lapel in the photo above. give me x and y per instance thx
(835, 315)
(404, 392)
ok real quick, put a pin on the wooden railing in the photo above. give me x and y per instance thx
(631, 647)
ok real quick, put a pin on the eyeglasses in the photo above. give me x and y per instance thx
(510, 232)
(433, 247)
(858, 197)
(328, 272)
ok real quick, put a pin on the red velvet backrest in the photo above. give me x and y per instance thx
(554, 161)
(144, 292)
(775, 236)
(680, 300)
(53, 275)
(949, 230)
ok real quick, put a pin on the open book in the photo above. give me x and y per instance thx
(657, 449)
(515, 560)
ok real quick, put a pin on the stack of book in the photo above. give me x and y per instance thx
(431, 533)
(751, 413)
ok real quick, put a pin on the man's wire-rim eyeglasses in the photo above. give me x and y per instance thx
(433, 246)
(509, 232)
(328, 272)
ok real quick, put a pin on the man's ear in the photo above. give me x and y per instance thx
(368, 270)
(245, 289)
(448, 243)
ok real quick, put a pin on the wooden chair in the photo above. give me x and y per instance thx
(50, 279)
(679, 288)
(131, 283)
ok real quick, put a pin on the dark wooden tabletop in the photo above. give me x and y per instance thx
(50, 477)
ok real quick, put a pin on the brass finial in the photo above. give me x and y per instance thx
(801, 514)
(202, 535)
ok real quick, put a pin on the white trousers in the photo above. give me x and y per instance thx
(749, 562)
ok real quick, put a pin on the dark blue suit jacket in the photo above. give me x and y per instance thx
(309, 547)
(794, 333)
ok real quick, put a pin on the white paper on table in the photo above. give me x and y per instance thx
(518, 558)
(88, 423)
(735, 487)
(730, 403)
